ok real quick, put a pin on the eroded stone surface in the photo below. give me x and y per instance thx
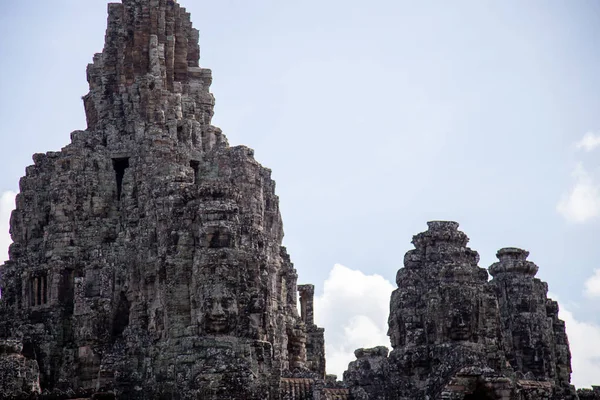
(589, 394)
(147, 257)
(18, 374)
(535, 341)
(456, 335)
(147, 264)
(443, 316)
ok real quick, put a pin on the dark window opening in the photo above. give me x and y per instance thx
(28, 350)
(523, 306)
(92, 283)
(479, 394)
(180, 133)
(66, 290)
(217, 238)
(162, 273)
(38, 290)
(120, 165)
(121, 319)
(104, 396)
(196, 167)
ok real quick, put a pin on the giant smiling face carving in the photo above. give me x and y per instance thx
(221, 310)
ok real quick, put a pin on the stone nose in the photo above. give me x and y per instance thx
(217, 309)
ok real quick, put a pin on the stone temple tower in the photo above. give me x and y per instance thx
(148, 264)
(535, 340)
(147, 258)
(456, 335)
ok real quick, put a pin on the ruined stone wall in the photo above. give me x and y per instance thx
(589, 394)
(369, 377)
(18, 374)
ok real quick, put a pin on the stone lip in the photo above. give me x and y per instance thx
(512, 253)
(11, 346)
(438, 232)
(442, 225)
(513, 261)
(379, 351)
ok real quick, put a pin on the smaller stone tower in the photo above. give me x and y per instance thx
(457, 336)
(315, 340)
(535, 341)
(443, 317)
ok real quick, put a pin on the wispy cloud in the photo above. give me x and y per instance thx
(7, 204)
(592, 285)
(582, 203)
(589, 141)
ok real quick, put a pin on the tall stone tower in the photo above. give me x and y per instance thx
(147, 258)
(443, 316)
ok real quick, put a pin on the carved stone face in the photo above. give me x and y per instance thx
(296, 348)
(221, 310)
(460, 325)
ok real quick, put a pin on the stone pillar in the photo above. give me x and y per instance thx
(43, 293)
(36, 292)
(307, 293)
(315, 340)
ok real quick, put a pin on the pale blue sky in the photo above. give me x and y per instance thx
(375, 117)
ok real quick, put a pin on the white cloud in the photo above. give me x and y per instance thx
(583, 201)
(353, 309)
(7, 204)
(592, 285)
(585, 352)
(589, 141)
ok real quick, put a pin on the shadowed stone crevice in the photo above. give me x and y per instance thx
(120, 165)
(121, 318)
(480, 394)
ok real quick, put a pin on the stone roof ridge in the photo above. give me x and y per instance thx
(378, 351)
(441, 244)
(149, 72)
(443, 225)
(513, 261)
(441, 231)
